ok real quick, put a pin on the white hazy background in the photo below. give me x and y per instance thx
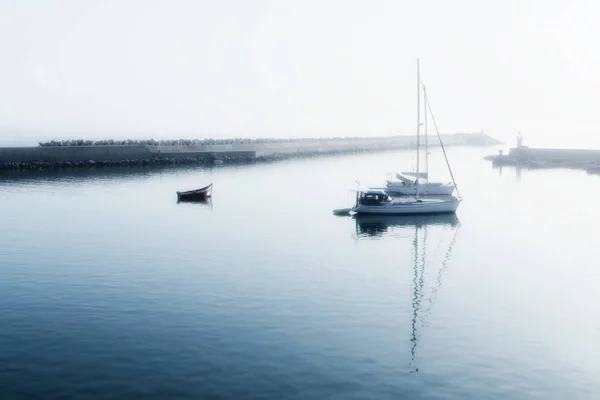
(294, 68)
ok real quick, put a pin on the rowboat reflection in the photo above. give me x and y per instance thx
(206, 202)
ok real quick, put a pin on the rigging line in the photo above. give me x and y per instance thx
(441, 144)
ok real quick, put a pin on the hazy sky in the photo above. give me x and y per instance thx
(193, 68)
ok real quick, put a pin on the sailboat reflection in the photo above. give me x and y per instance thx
(422, 307)
(379, 225)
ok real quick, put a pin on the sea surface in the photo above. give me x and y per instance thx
(111, 289)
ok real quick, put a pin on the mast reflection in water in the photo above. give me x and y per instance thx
(424, 228)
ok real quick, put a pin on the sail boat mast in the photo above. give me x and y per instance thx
(418, 124)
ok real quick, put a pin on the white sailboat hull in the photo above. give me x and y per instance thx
(412, 207)
(428, 188)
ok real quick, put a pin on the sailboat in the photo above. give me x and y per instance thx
(406, 182)
(380, 201)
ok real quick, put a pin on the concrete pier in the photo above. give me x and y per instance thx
(547, 158)
(133, 154)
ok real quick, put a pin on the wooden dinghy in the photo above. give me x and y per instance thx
(197, 194)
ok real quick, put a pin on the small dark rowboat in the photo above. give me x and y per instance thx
(198, 194)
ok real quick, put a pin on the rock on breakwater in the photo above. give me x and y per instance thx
(479, 138)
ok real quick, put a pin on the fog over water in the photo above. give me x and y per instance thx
(194, 69)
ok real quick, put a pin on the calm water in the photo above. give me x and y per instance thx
(110, 289)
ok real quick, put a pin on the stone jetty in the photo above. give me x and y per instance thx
(529, 157)
(87, 153)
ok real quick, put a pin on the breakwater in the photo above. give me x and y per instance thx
(525, 156)
(79, 153)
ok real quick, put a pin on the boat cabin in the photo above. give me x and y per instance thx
(373, 198)
(404, 179)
